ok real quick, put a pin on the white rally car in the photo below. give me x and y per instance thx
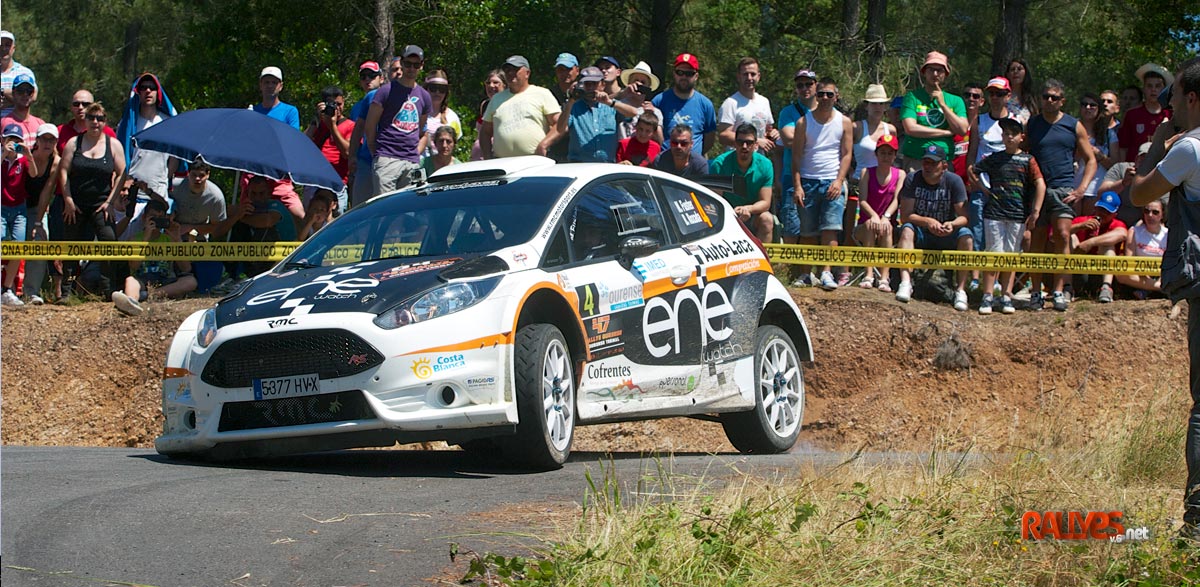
(497, 306)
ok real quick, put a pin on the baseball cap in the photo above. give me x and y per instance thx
(1010, 125)
(24, 78)
(370, 66)
(805, 73)
(936, 58)
(413, 50)
(1109, 201)
(566, 60)
(591, 74)
(934, 152)
(271, 71)
(608, 58)
(13, 129)
(7, 35)
(889, 140)
(517, 61)
(689, 59)
(1000, 83)
(47, 129)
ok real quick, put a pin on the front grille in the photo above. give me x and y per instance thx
(343, 406)
(330, 353)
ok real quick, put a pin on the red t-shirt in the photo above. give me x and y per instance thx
(640, 154)
(1113, 225)
(329, 148)
(66, 132)
(13, 181)
(1137, 128)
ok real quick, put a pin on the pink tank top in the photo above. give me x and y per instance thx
(879, 197)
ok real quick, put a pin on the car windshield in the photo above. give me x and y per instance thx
(436, 219)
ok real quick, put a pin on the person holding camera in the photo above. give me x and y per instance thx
(331, 131)
(199, 205)
(592, 120)
(17, 167)
(640, 85)
(256, 219)
(158, 279)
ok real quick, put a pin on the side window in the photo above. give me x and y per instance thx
(608, 212)
(557, 250)
(695, 214)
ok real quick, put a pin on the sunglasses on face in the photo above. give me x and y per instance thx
(826, 94)
(1051, 97)
(805, 84)
(996, 94)
(679, 143)
(146, 88)
(1088, 105)
(746, 142)
(412, 64)
(80, 103)
(23, 90)
(437, 88)
(685, 73)
(974, 96)
(367, 75)
(96, 117)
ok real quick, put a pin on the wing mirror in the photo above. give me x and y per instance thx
(635, 247)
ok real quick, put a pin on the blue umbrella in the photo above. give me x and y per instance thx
(244, 140)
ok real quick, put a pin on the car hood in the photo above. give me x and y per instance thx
(370, 286)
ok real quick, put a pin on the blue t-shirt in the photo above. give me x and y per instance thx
(286, 227)
(358, 113)
(282, 112)
(788, 117)
(593, 133)
(696, 113)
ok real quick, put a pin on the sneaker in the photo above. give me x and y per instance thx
(1006, 305)
(904, 291)
(8, 298)
(867, 283)
(960, 301)
(1060, 301)
(827, 282)
(805, 280)
(1106, 293)
(126, 304)
(1036, 302)
(985, 306)
(36, 300)
(843, 279)
(884, 286)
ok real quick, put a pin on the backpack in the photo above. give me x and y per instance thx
(1181, 259)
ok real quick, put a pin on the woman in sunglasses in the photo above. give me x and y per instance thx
(1147, 239)
(493, 83)
(90, 165)
(438, 86)
(1103, 141)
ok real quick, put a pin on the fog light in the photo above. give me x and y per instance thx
(448, 396)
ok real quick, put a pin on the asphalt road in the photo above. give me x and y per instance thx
(95, 516)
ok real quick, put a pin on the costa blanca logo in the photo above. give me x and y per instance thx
(424, 368)
(421, 369)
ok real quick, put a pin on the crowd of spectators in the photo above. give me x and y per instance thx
(1003, 167)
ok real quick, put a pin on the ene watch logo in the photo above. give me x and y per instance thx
(659, 317)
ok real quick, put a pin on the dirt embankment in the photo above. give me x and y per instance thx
(887, 376)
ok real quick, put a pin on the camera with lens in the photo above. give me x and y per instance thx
(330, 108)
(160, 222)
(578, 92)
(19, 147)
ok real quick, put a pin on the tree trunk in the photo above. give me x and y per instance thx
(129, 52)
(850, 11)
(876, 14)
(1012, 38)
(385, 41)
(662, 13)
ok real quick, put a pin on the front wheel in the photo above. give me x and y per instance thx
(774, 423)
(545, 378)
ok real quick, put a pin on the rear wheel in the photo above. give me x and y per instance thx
(545, 379)
(774, 423)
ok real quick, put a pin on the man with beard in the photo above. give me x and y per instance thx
(682, 104)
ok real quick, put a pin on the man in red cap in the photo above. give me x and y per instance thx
(931, 116)
(370, 77)
(682, 104)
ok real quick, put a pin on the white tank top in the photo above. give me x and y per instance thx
(822, 148)
(990, 140)
(864, 151)
(1148, 244)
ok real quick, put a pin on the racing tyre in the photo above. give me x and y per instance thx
(545, 379)
(774, 423)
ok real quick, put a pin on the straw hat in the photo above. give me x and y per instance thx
(876, 93)
(643, 68)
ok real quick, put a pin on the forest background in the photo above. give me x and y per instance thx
(209, 52)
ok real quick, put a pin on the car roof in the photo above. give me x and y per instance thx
(536, 166)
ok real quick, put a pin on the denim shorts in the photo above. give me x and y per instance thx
(16, 220)
(819, 213)
(927, 240)
(1053, 206)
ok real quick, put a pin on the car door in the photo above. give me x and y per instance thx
(633, 370)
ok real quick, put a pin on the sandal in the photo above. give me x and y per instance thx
(867, 283)
(884, 286)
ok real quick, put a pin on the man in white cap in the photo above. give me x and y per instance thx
(9, 70)
(640, 84)
(930, 115)
(521, 119)
(395, 122)
(747, 106)
(1140, 123)
(591, 120)
(270, 83)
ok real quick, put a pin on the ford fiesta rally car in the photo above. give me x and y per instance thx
(497, 306)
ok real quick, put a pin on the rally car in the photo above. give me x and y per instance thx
(497, 306)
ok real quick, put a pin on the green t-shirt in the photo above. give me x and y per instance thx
(760, 174)
(927, 112)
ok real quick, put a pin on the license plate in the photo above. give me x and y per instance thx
(292, 386)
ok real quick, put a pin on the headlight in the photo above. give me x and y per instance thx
(444, 300)
(208, 328)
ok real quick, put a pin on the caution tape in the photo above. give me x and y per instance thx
(926, 259)
(142, 251)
